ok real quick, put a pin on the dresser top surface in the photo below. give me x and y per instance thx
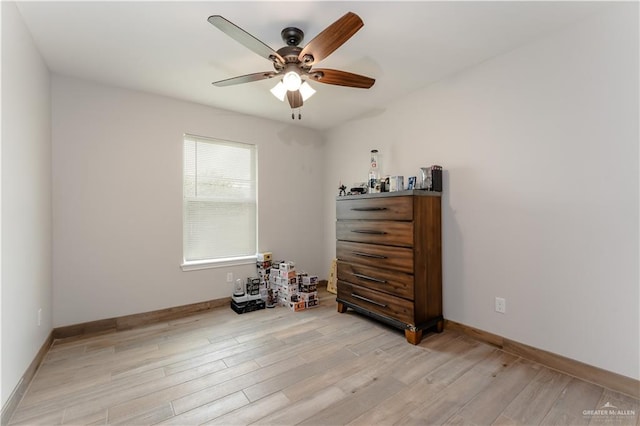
(416, 192)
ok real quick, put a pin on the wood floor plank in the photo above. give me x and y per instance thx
(426, 361)
(457, 395)
(98, 397)
(150, 417)
(313, 352)
(129, 389)
(272, 326)
(503, 420)
(576, 397)
(69, 394)
(325, 345)
(125, 389)
(45, 418)
(537, 398)
(373, 372)
(407, 399)
(304, 409)
(357, 402)
(216, 352)
(397, 405)
(305, 331)
(255, 352)
(96, 418)
(251, 413)
(150, 400)
(620, 409)
(281, 381)
(488, 405)
(448, 372)
(308, 384)
(456, 420)
(210, 411)
(71, 384)
(437, 340)
(238, 383)
(374, 343)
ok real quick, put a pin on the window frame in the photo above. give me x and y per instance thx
(195, 265)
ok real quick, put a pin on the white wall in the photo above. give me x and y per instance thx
(540, 206)
(26, 199)
(117, 199)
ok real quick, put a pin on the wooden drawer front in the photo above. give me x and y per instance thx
(374, 301)
(386, 257)
(385, 208)
(376, 232)
(395, 283)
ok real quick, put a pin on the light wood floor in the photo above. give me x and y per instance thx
(312, 367)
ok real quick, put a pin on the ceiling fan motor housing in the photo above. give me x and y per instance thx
(292, 36)
(290, 55)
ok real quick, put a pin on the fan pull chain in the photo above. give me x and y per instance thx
(293, 114)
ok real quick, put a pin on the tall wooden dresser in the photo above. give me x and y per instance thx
(389, 254)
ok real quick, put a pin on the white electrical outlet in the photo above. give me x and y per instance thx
(501, 305)
(39, 317)
(229, 277)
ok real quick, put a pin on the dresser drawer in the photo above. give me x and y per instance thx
(376, 232)
(389, 208)
(386, 257)
(394, 283)
(374, 301)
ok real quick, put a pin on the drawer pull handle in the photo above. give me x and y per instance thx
(382, 305)
(368, 209)
(365, 277)
(375, 256)
(368, 231)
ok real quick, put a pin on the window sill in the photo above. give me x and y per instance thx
(217, 263)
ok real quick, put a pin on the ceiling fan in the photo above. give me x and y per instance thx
(294, 64)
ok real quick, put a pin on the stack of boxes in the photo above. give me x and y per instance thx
(278, 283)
(273, 283)
(253, 288)
(308, 288)
(263, 265)
(287, 282)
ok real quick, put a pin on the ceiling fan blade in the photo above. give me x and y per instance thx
(245, 78)
(244, 38)
(341, 78)
(332, 37)
(295, 99)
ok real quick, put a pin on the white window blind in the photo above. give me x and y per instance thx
(219, 205)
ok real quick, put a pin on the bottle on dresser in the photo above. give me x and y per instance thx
(374, 173)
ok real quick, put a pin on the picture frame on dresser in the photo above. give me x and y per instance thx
(389, 259)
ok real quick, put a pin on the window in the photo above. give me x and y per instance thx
(219, 201)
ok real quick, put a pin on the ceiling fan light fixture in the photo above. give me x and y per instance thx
(306, 91)
(279, 91)
(292, 81)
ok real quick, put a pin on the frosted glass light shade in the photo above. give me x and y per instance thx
(279, 91)
(306, 91)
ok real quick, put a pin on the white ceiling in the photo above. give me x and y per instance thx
(169, 48)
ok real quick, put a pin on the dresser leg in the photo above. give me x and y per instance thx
(414, 337)
(440, 326)
(342, 308)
